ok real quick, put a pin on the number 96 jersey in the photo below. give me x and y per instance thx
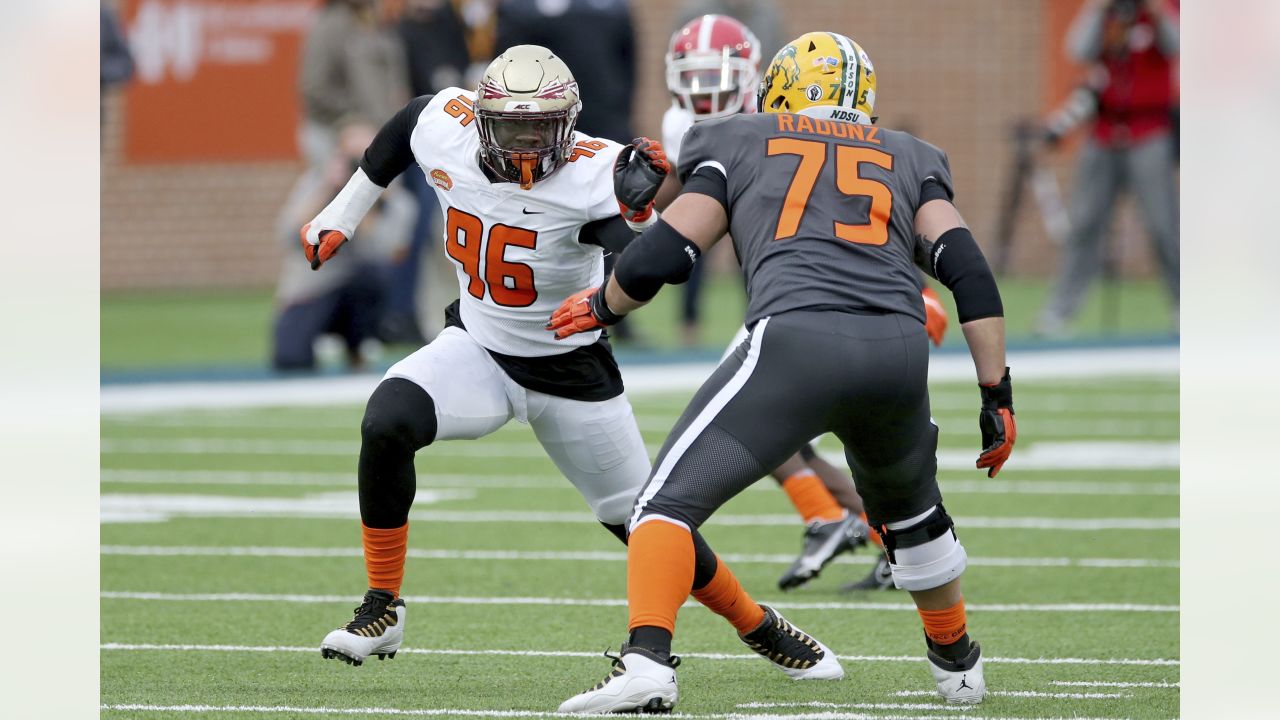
(516, 251)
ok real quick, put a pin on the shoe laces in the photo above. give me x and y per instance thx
(618, 669)
(371, 610)
(784, 644)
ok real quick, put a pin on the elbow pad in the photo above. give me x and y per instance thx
(661, 255)
(958, 264)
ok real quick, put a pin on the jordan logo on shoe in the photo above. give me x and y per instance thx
(964, 684)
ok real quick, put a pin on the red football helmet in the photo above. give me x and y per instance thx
(712, 66)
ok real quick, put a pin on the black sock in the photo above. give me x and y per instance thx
(955, 652)
(654, 639)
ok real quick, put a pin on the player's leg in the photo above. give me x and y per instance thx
(891, 444)
(1153, 178)
(450, 389)
(1098, 178)
(701, 466)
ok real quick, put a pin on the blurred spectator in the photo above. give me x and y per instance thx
(116, 64)
(345, 298)
(1132, 46)
(596, 40)
(353, 71)
(434, 39)
(761, 16)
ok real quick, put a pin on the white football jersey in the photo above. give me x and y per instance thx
(676, 121)
(516, 251)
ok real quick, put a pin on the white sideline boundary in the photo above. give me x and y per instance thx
(590, 556)
(639, 379)
(1162, 662)
(621, 602)
(1025, 694)
(1106, 683)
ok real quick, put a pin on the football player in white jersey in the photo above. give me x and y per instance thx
(712, 70)
(530, 207)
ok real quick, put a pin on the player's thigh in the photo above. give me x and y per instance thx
(744, 421)
(597, 446)
(465, 383)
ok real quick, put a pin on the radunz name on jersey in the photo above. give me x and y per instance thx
(830, 128)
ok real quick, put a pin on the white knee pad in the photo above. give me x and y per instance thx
(924, 552)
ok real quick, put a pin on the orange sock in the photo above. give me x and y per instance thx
(659, 573)
(812, 499)
(944, 626)
(875, 536)
(384, 552)
(725, 597)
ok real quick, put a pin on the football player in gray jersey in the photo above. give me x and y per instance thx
(829, 215)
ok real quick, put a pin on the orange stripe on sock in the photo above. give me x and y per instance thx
(384, 552)
(812, 499)
(875, 536)
(944, 626)
(725, 597)
(659, 574)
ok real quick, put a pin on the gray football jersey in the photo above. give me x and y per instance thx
(822, 212)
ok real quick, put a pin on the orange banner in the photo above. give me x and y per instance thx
(216, 80)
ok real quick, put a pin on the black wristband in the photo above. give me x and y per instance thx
(999, 395)
(601, 310)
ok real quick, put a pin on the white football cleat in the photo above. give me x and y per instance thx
(377, 629)
(960, 682)
(641, 681)
(792, 650)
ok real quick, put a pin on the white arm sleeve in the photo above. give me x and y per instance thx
(345, 211)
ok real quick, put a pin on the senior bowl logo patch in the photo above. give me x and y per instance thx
(441, 179)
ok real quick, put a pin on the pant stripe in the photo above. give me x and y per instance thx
(700, 423)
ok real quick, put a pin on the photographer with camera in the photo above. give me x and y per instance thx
(1131, 47)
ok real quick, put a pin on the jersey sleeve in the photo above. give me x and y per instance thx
(705, 144)
(596, 172)
(390, 153)
(933, 168)
(675, 123)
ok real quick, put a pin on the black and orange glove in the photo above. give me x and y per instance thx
(321, 245)
(935, 316)
(996, 422)
(583, 311)
(637, 174)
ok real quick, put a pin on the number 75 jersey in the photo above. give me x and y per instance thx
(821, 211)
(516, 251)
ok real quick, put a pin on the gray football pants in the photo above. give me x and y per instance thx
(1147, 169)
(800, 374)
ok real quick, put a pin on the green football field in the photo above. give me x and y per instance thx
(230, 546)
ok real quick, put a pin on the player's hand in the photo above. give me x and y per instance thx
(935, 316)
(637, 174)
(996, 422)
(320, 245)
(584, 311)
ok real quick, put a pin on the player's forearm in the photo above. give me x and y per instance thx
(348, 208)
(986, 344)
(618, 300)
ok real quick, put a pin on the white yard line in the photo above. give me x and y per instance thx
(595, 654)
(1108, 683)
(1025, 694)
(619, 602)
(1064, 455)
(145, 507)
(587, 556)
(556, 482)
(640, 380)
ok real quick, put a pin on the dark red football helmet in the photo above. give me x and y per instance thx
(712, 66)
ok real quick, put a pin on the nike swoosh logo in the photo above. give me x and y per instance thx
(527, 211)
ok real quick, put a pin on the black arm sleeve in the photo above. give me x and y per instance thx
(931, 189)
(708, 181)
(660, 255)
(957, 262)
(389, 154)
(611, 233)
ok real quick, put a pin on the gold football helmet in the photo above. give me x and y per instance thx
(820, 68)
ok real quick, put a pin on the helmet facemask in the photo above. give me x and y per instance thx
(525, 147)
(711, 85)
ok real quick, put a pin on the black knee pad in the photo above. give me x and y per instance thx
(400, 416)
(807, 452)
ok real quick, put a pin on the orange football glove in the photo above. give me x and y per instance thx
(996, 422)
(325, 246)
(583, 311)
(935, 316)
